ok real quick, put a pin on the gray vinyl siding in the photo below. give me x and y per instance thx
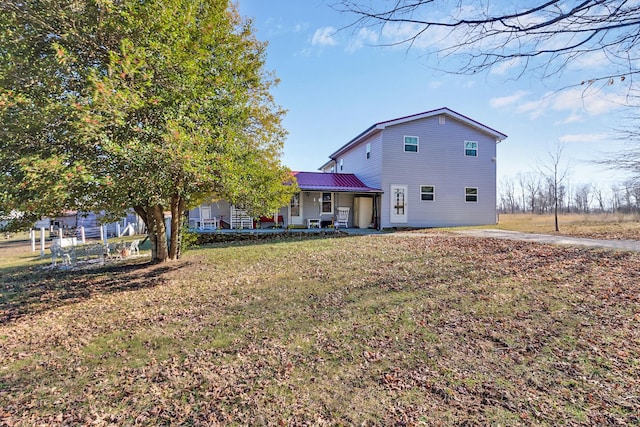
(441, 162)
(220, 209)
(312, 204)
(355, 161)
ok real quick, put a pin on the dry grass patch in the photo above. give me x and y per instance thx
(598, 226)
(376, 330)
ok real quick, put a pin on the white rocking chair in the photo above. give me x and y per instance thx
(342, 219)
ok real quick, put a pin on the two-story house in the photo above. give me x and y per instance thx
(436, 168)
(432, 169)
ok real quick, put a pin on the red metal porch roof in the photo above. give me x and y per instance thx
(337, 182)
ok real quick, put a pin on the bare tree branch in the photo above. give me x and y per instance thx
(484, 34)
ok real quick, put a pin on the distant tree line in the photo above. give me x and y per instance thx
(533, 192)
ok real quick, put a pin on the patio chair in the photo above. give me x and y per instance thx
(133, 247)
(342, 218)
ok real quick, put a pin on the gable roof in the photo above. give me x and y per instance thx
(380, 126)
(336, 182)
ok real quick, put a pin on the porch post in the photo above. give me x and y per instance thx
(41, 242)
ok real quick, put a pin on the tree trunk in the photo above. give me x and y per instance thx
(153, 217)
(177, 208)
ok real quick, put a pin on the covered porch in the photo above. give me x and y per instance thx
(333, 200)
(325, 200)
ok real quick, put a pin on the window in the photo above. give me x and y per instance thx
(341, 164)
(368, 149)
(327, 203)
(470, 194)
(471, 148)
(411, 144)
(427, 193)
(333, 168)
(399, 203)
(441, 119)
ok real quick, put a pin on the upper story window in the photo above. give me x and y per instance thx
(427, 192)
(471, 148)
(333, 168)
(470, 194)
(327, 203)
(368, 149)
(411, 144)
(341, 164)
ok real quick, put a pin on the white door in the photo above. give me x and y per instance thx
(295, 209)
(398, 206)
(205, 212)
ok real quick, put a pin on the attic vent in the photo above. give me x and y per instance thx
(441, 119)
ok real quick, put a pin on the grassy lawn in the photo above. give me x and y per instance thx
(424, 329)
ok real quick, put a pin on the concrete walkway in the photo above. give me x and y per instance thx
(622, 245)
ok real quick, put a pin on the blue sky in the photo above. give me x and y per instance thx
(337, 82)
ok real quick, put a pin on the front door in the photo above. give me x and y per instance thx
(398, 204)
(295, 209)
(205, 212)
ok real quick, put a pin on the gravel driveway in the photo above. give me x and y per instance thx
(622, 245)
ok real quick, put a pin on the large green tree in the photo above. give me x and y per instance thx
(151, 104)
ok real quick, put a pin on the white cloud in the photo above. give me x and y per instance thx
(572, 118)
(278, 27)
(505, 101)
(584, 137)
(298, 28)
(502, 68)
(325, 36)
(535, 108)
(575, 102)
(306, 52)
(399, 33)
(364, 37)
(589, 61)
(594, 101)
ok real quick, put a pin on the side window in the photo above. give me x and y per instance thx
(471, 148)
(427, 193)
(411, 144)
(470, 194)
(368, 149)
(341, 164)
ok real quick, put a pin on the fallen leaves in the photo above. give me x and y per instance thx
(380, 330)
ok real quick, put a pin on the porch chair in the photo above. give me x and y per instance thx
(342, 218)
(133, 247)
